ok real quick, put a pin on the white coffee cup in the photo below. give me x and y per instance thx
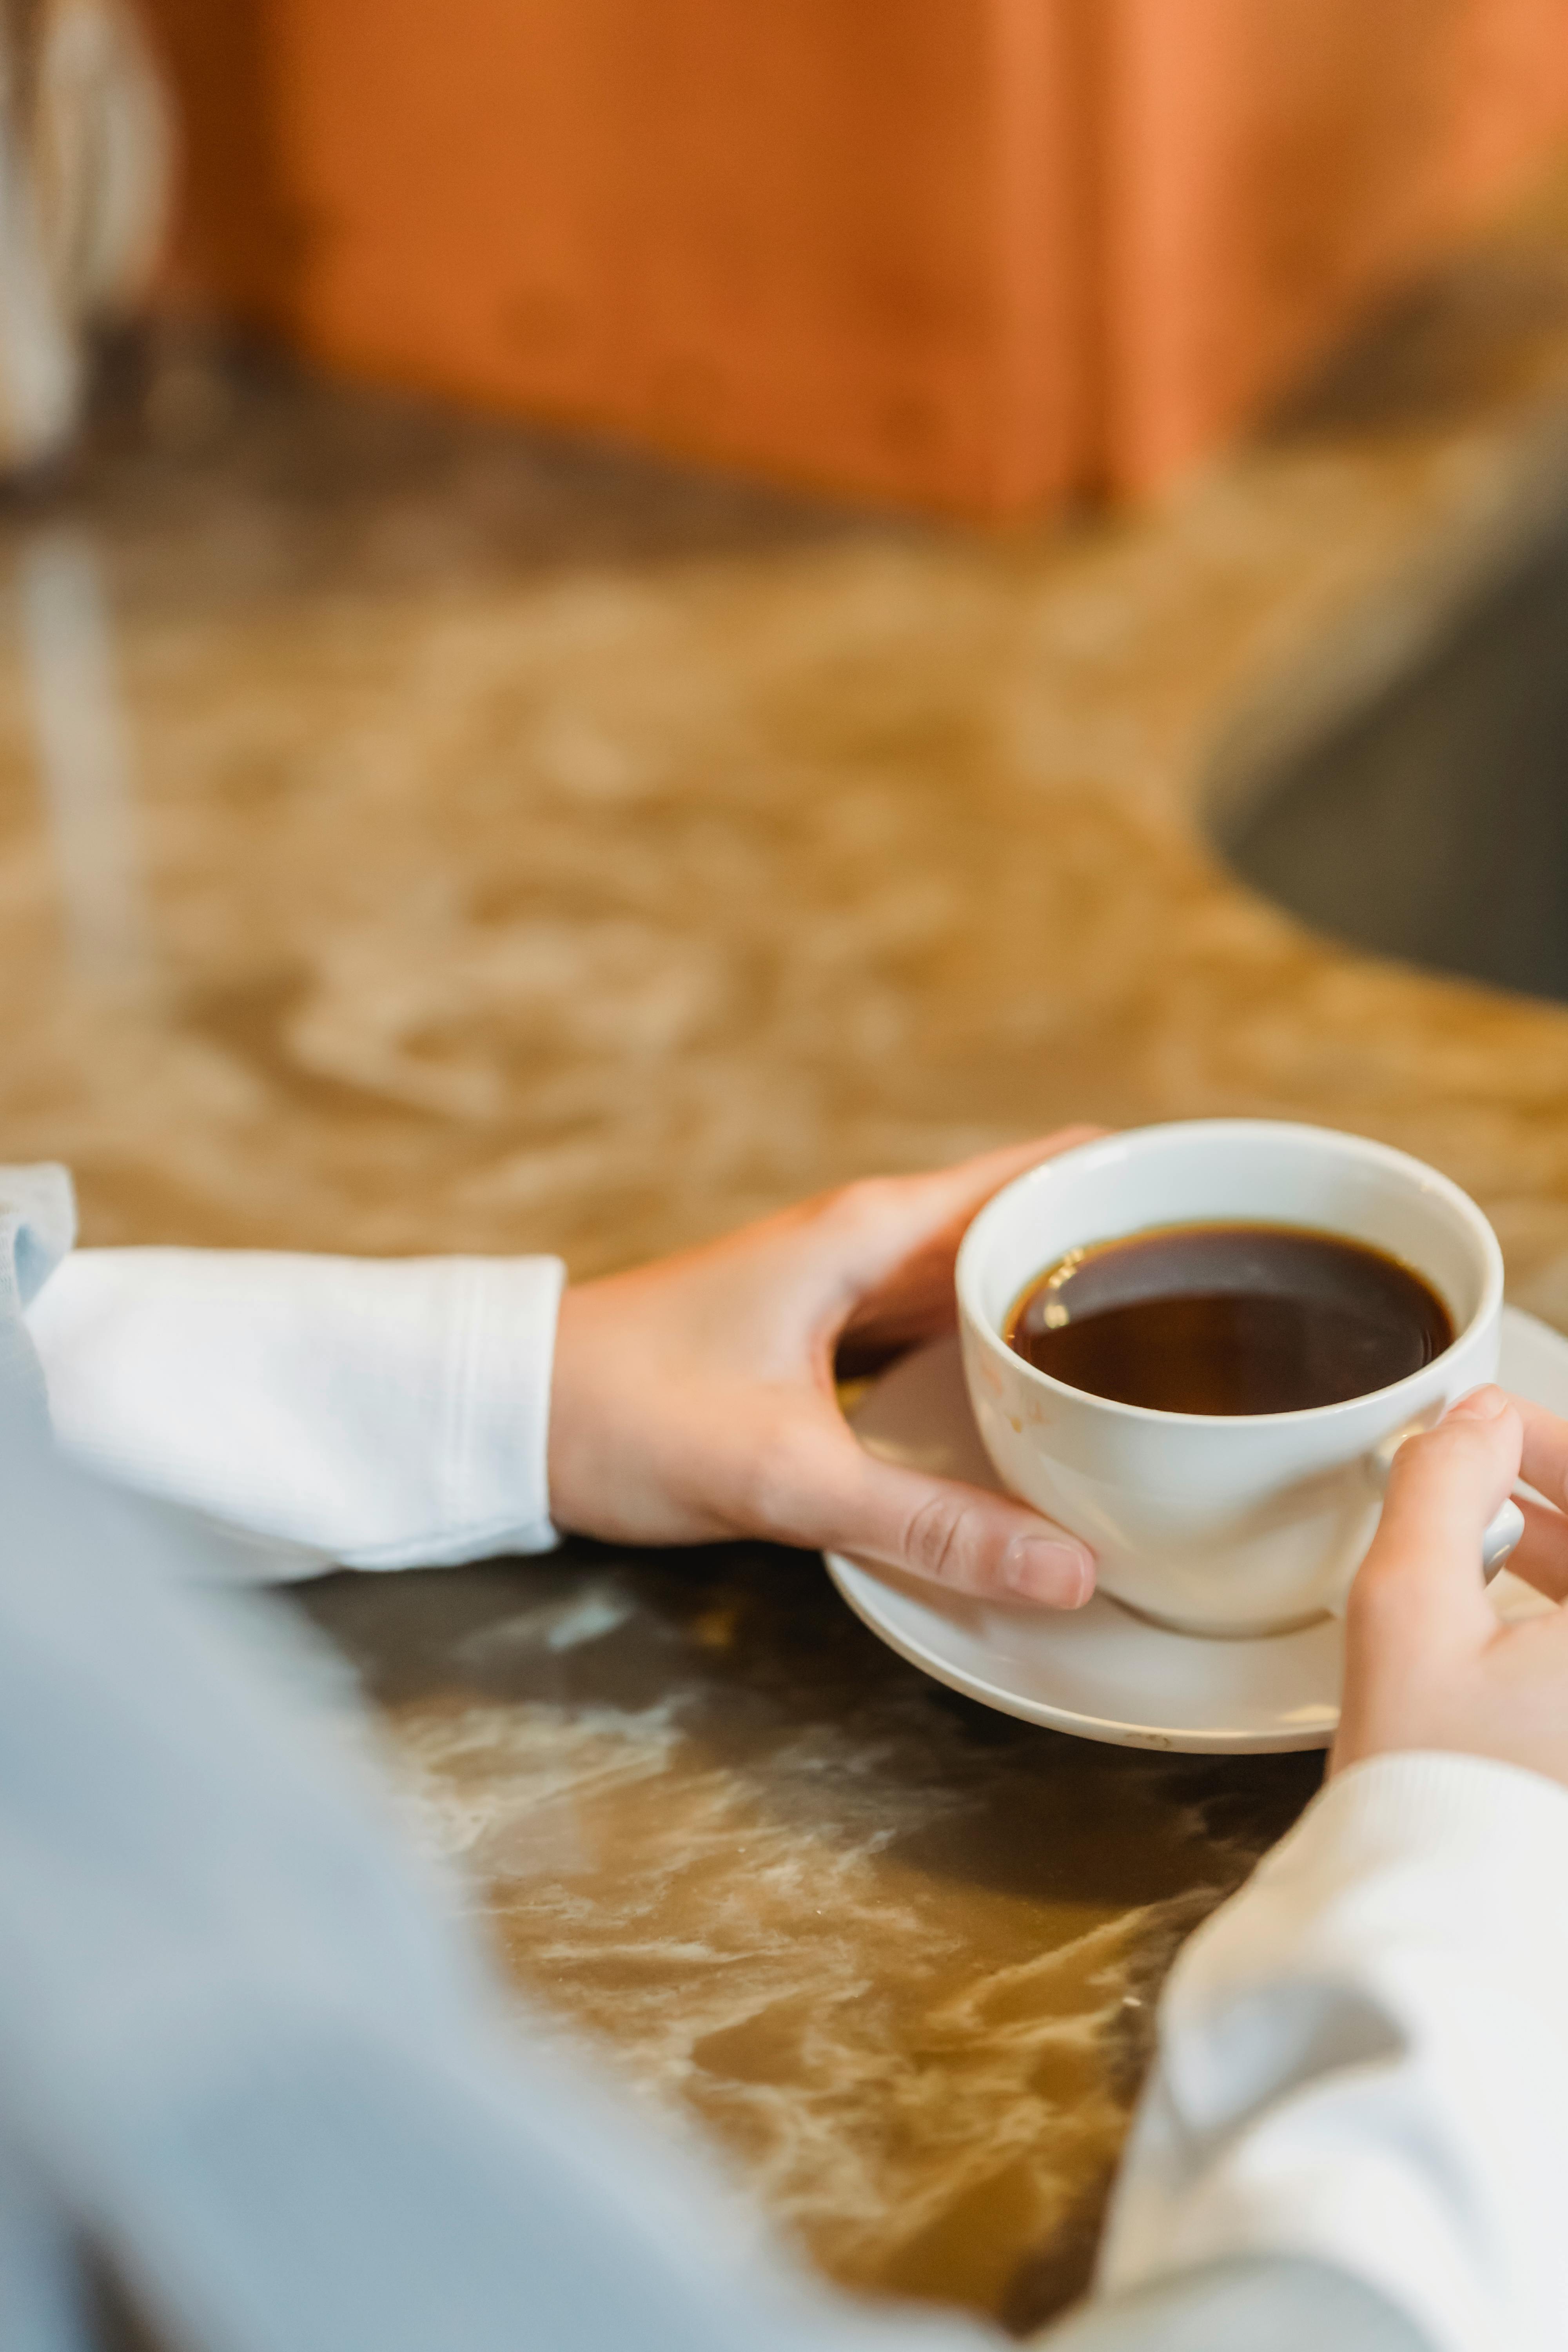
(1222, 1525)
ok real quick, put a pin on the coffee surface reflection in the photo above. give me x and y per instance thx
(1229, 1318)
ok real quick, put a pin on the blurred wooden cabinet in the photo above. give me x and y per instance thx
(969, 254)
(1272, 164)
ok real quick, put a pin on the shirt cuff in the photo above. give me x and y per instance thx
(498, 1438)
(307, 1411)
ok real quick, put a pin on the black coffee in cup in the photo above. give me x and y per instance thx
(1229, 1318)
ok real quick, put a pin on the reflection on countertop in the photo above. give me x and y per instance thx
(897, 1951)
(520, 847)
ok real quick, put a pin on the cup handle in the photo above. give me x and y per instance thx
(1503, 1531)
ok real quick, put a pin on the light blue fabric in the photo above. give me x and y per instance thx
(247, 2053)
(37, 1226)
(245, 2057)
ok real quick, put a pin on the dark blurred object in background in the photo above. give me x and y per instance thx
(979, 255)
(84, 180)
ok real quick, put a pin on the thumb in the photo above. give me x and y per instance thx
(879, 1220)
(964, 1537)
(890, 1243)
(1423, 1571)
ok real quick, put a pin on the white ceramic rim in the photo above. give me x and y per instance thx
(1361, 1147)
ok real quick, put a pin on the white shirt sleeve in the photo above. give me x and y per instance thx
(373, 1413)
(1363, 2059)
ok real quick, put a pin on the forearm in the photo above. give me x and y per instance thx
(377, 1413)
(1364, 2062)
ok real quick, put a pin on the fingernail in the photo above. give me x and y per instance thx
(1481, 1404)
(1035, 1568)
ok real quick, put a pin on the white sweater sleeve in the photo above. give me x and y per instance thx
(376, 1413)
(1364, 2059)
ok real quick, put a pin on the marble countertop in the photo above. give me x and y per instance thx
(524, 847)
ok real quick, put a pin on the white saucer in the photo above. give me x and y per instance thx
(1098, 1671)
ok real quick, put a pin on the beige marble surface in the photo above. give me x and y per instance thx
(525, 849)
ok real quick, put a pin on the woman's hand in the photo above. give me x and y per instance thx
(1428, 1664)
(694, 1399)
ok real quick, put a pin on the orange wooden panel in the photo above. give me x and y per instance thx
(961, 253)
(1511, 96)
(234, 230)
(1272, 164)
(833, 243)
